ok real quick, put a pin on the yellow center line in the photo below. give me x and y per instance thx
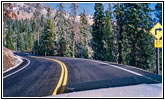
(64, 75)
(61, 78)
(65, 78)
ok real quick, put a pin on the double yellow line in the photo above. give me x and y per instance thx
(63, 77)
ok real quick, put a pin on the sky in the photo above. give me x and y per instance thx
(89, 7)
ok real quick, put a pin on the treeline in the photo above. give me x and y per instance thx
(119, 34)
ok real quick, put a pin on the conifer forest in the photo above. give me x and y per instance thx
(119, 33)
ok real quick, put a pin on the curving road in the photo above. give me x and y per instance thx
(42, 76)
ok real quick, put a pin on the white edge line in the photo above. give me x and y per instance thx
(126, 70)
(120, 68)
(14, 66)
(111, 63)
(111, 66)
(19, 69)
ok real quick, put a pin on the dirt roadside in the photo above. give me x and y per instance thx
(8, 59)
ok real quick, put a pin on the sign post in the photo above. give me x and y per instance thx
(157, 33)
(157, 60)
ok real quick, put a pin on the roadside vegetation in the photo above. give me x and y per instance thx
(119, 34)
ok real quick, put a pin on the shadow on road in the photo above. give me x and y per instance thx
(111, 83)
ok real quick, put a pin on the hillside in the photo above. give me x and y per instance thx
(26, 10)
(8, 59)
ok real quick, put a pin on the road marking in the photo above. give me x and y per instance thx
(13, 66)
(119, 68)
(18, 70)
(63, 77)
(113, 66)
(125, 70)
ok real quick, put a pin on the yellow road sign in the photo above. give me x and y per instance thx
(158, 44)
(157, 31)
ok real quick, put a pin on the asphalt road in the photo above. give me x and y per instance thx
(42, 76)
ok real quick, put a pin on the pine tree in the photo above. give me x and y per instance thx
(83, 47)
(108, 39)
(110, 10)
(35, 49)
(36, 18)
(158, 12)
(20, 42)
(61, 28)
(98, 32)
(137, 42)
(9, 38)
(119, 15)
(29, 41)
(25, 36)
(47, 38)
(84, 30)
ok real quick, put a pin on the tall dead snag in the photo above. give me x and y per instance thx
(74, 13)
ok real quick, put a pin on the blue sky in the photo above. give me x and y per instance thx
(89, 7)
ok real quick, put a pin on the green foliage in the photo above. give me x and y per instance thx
(29, 41)
(9, 39)
(47, 40)
(84, 30)
(36, 47)
(20, 45)
(119, 15)
(83, 47)
(82, 51)
(108, 39)
(63, 48)
(120, 36)
(98, 32)
(137, 42)
(158, 12)
(62, 26)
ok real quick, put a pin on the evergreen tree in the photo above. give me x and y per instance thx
(29, 41)
(119, 15)
(25, 36)
(98, 32)
(36, 18)
(47, 38)
(108, 39)
(63, 47)
(20, 42)
(61, 28)
(35, 49)
(84, 28)
(110, 10)
(82, 46)
(138, 47)
(9, 38)
(158, 12)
